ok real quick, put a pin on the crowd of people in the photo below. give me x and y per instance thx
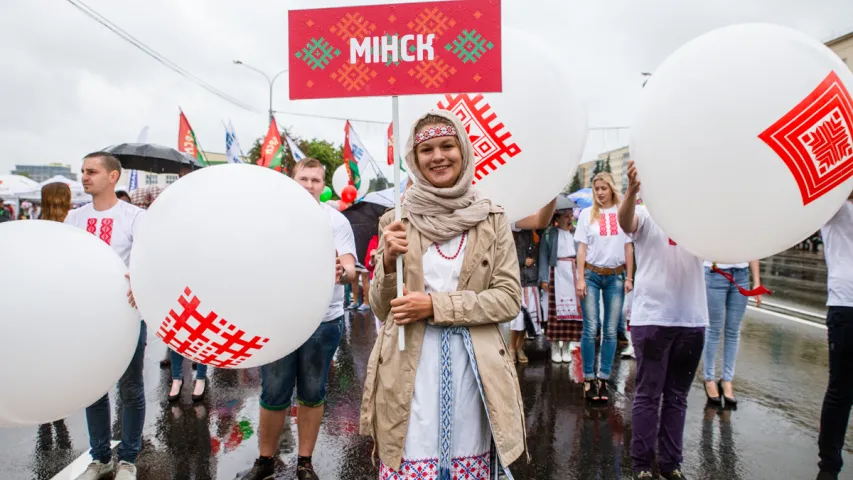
(450, 402)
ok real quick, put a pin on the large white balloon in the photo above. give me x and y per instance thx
(340, 179)
(743, 141)
(64, 312)
(233, 266)
(528, 139)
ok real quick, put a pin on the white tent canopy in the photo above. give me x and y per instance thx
(12, 185)
(384, 197)
(78, 195)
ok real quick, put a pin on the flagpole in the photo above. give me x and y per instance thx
(395, 115)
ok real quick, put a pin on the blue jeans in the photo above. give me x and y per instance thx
(178, 367)
(612, 290)
(132, 392)
(307, 367)
(726, 308)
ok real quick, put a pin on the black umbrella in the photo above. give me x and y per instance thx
(152, 158)
(364, 218)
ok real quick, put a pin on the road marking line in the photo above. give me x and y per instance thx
(78, 466)
(787, 317)
(793, 309)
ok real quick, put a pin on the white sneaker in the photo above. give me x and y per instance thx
(566, 353)
(363, 307)
(97, 471)
(556, 356)
(126, 471)
(629, 352)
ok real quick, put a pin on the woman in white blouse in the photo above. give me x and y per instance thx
(605, 256)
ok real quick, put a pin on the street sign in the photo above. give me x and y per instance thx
(400, 49)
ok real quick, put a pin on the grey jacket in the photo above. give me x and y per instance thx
(548, 253)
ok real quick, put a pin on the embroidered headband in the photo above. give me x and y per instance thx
(434, 132)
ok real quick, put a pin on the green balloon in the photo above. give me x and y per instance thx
(326, 195)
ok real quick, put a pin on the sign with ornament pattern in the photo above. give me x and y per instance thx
(400, 49)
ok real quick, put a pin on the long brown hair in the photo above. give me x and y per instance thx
(608, 179)
(55, 201)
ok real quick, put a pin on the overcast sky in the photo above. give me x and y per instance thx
(69, 86)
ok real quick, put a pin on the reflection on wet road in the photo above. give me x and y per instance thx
(781, 377)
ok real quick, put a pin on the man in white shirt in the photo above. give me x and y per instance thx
(669, 314)
(116, 223)
(307, 367)
(838, 248)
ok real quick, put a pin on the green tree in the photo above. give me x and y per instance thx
(377, 184)
(607, 165)
(327, 153)
(599, 167)
(575, 185)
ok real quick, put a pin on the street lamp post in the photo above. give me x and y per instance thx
(271, 81)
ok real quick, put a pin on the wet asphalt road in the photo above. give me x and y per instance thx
(781, 377)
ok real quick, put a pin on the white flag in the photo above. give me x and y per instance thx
(232, 145)
(133, 182)
(362, 156)
(298, 156)
(143, 135)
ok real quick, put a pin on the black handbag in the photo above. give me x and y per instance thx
(528, 322)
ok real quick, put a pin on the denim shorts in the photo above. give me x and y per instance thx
(307, 368)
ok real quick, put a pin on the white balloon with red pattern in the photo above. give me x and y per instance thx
(529, 138)
(237, 280)
(744, 141)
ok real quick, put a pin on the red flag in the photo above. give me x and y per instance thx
(349, 160)
(271, 150)
(391, 144)
(186, 140)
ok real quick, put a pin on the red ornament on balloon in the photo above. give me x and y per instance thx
(348, 194)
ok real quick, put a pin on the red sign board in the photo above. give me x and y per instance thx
(401, 49)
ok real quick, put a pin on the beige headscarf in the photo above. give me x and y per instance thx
(441, 214)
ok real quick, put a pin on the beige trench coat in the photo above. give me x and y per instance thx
(489, 293)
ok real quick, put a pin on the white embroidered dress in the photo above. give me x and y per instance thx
(471, 434)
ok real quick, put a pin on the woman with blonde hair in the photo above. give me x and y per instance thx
(450, 402)
(604, 256)
(55, 201)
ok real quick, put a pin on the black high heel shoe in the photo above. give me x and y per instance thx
(731, 402)
(591, 393)
(175, 397)
(714, 401)
(200, 396)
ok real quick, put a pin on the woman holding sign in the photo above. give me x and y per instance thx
(603, 249)
(451, 399)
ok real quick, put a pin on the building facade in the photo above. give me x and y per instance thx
(40, 173)
(843, 47)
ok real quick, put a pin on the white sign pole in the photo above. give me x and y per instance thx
(395, 117)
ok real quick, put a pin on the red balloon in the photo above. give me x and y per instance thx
(348, 194)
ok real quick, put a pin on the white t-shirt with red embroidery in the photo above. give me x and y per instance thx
(604, 238)
(670, 284)
(117, 226)
(838, 248)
